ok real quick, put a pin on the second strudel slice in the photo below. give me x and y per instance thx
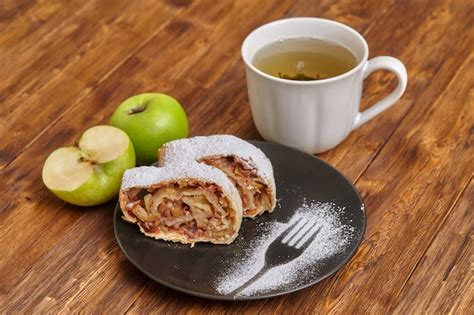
(245, 165)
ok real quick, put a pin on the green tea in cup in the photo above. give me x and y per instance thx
(304, 59)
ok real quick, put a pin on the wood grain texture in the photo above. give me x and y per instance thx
(68, 64)
(72, 57)
(444, 273)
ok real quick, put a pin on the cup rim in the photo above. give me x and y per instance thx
(359, 65)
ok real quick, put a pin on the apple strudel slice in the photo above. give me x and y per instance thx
(185, 203)
(245, 165)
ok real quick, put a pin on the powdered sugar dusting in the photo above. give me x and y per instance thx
(333, 237)
(145, 176)
(195, 148)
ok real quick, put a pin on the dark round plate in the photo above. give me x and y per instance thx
(299, 178)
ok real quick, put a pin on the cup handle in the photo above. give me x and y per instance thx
(383, 63)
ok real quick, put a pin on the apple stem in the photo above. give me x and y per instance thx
(137, 109)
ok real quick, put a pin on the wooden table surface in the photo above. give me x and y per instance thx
(66, 65)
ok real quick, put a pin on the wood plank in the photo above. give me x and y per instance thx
(24, 22)
(87, 49)
(64, 289)
(443, 280)
(24, 57)
(10, 10)
(360, 15)
(63, 27)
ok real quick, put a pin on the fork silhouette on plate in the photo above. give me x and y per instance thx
(289, 245)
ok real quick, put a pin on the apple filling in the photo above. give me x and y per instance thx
(255, 194)
(192, 210)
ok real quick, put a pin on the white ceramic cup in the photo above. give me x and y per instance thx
(314, 116)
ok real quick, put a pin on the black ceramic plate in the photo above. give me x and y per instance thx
(299, 177)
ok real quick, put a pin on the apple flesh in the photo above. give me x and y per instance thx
(150, 120)
(90, 173)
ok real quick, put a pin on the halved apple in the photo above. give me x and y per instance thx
(90, 173)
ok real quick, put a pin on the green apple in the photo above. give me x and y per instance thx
(90, 173)
(150, 120)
